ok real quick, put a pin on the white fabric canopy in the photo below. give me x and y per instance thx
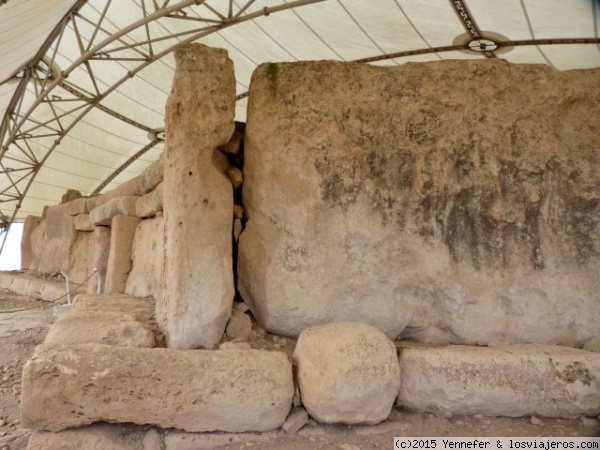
(83, 84)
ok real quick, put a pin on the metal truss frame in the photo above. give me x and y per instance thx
(19, 163)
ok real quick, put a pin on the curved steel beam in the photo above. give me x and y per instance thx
(14, 125)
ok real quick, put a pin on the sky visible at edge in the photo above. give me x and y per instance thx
(10, 259)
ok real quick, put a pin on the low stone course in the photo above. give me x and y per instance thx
(512, 380)
(234, 391)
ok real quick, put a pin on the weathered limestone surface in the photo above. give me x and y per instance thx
(59, 236)
(99, 250)
(77, 206)
(119, 206)
(94, 437)
(100, 327)
(347, 372)
(195, 391)
(150, 204)
(509, 380)
(80, 257)
(82, 223)
(422, 197)
(120, 257)
(26, 284)
(36, 241)
(198, 200)
(189, 441)
(27, 252)
(142, 309)
(148, 256)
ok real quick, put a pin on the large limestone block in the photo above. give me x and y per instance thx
(106, 327)
(148, 256)
(82, 223)
(142, 309)
(81, 253)
(119, 257)
(38, 235)
(59, 237)
(150, 204)
(27, 251)
(198, 200)
(99, 251)
(420, 196)
(235, 391)
(152, 176)
(348, 372)
(511, 380)
(77, 206)
(118, 206)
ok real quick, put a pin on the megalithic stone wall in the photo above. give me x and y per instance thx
(198, 200)
(450, 201)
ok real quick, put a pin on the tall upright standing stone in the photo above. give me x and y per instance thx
(119, 258)
(198, 200)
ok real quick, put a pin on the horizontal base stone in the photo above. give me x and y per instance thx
(22, 283)
(109, 328)
(95, 437)
(513, 381)
(234, 391)
(142, 309)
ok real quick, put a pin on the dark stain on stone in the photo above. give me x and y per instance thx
(575, 372)
(491, 207)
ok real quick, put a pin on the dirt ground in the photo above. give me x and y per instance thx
(24, 323)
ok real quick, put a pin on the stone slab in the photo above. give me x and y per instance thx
(94, 437)
(120, 257)
(188, 441)
(151, 204)
(407, 198)
(59, 237)
(232, 391)
(510, 380)
(118, 206)
(106, 327)
(27, 252)
(148, 253)
(198, 200)
(99, 252)
(82, 223)
(141, 309)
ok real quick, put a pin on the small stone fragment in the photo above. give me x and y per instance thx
(239, 326)
(535, 421)
(236, 177)
(152, 440)
(588, 421)
(238, 211)
(295, 421)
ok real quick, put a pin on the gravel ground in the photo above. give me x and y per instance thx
(24, 323)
